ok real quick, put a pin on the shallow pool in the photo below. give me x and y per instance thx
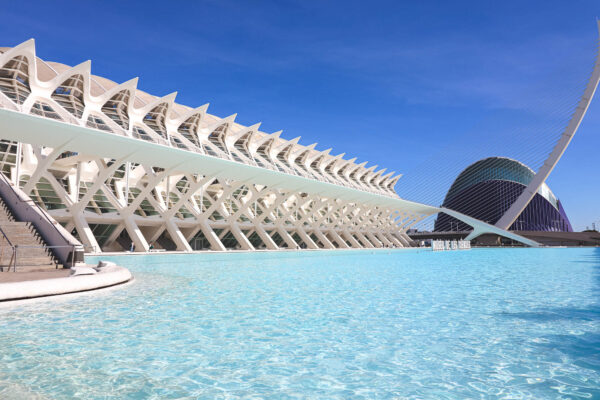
(362, 324)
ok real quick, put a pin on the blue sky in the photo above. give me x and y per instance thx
(382, 81)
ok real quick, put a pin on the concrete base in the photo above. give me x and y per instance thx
(107, 276)
(573, 239)
(589, 238)
(6, 277)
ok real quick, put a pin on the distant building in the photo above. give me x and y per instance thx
(486, 189)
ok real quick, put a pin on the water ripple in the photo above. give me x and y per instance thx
(522, 323)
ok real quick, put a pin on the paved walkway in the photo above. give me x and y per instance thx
(33, 276)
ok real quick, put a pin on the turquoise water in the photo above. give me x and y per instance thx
(515, 323)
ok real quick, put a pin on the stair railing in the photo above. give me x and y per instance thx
(44, 224)
(33, 204)
(13, 257)
(49, 248)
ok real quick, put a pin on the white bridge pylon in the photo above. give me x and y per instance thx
(542, 174)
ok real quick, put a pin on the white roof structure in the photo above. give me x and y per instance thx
(78, 129)
(132, 112)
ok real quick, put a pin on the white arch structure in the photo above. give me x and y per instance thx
(114, 164)
(542, 174)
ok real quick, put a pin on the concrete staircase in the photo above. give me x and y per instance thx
(31, 252)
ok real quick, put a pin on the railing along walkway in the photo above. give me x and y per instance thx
(13, 252)
(22, 260)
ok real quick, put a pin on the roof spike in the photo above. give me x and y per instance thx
(184, 116)
(287, 143)
(220, 121)
(86, 63)
(270, 136)
(26, 48)
(378, 177)
(169, 99)
(395, 178)
(389, 177)
(130, 84)
(227, 120)
(83, 69)
(232, 138)
(28, 44)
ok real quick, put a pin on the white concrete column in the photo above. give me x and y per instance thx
(141, 245)
(404, 242)
(287, 238)
(383, 239)
(338, 239)
(240, 237)
(115, 234)
(211, 236)
(364, 240)
(304, 236)
(373, 239)
(264, 236)
(18, 164)
(177, 236)
(394, 239)
(85, 234)
(355, 243)
(324, 239)
(43, 164)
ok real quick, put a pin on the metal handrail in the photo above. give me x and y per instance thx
(13, 258)
(6, 237)
(32, 203)
(43, 216)
(45, 247)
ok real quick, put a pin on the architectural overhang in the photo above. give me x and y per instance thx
(36, 130)
(91, 142)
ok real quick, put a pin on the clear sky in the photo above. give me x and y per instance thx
(381, 81)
